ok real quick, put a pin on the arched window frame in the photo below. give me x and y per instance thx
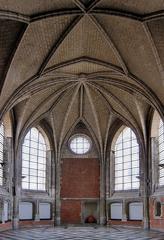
(37, 181)
(161, 152)
(157, 151)
(134, 183)
(2, 150)
(6, 151)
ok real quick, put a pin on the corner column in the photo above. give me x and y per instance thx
(16, 188)
(58, 200)
(102, 193)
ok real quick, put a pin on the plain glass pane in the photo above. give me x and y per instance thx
(33, 165)
(33, 179)
(26, 142)
(33, 151)
(25, 171)
(41, 167)
(118, 174)
(118, 167)
(135, 185)
(33, 158)
(127, 144)
(118, 153)
(135, 150)
(41, 173)
(25, 156)
(127, 186)
(34, 144)
(118, 160)
(127, 179)
(25, 164)
(34, 134)
(33, 172)
(126, 133)
(24, 185)
(127, 165)
(118, 180)
(33, 186)
(25, 149)
(118, 147)
(41, 187)
(127, 151)
(135, 171)
(135, 157)
(135, 164)
(127, 158)
(127, 172)
(118, 187)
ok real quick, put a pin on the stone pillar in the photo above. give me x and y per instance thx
(58, 200)
(15, 222)
(124, 211)
(2, 214)
(146, 207)
(16, 188)
(102, 193)
(107, 179)
(12, 175)
(112, 174)
(107, 188)
(36, 209)
(155, 162)
(145, 189)
(50, 155)
(8, 172)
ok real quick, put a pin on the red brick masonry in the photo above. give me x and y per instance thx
(79, 180)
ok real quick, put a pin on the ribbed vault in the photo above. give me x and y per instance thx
(72, 60)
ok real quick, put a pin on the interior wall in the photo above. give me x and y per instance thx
(79, 184)
(156, 222)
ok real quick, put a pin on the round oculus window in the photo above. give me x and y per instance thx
(80, 144)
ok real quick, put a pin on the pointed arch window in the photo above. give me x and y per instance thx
(126, 161)
(2, 140)
(161, 152)
(34, 161)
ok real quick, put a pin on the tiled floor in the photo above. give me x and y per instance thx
(79, 233)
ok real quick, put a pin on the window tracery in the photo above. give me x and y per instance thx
(126, 161)
(34, 161)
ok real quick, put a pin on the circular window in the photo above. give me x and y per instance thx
(80, 144)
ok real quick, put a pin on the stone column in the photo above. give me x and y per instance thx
(12, 170)
(16, 188)
(102, 193)
(145, 188)
(107, 188)
(15, 222)
(146, 207)
(36, 209)
(50, 155)
(8, 172)
(112, 174)
(2, 214)
(155, 161)
(57, 194)
(124, 211)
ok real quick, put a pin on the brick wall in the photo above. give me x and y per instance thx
(6, 226)
(133, 223)
(71, 211)
(79, 181)
(156, 222)
(32, 223)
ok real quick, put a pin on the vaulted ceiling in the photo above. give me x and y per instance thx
(91, 60)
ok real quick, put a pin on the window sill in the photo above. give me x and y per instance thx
(125, 194)
(34, 192)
